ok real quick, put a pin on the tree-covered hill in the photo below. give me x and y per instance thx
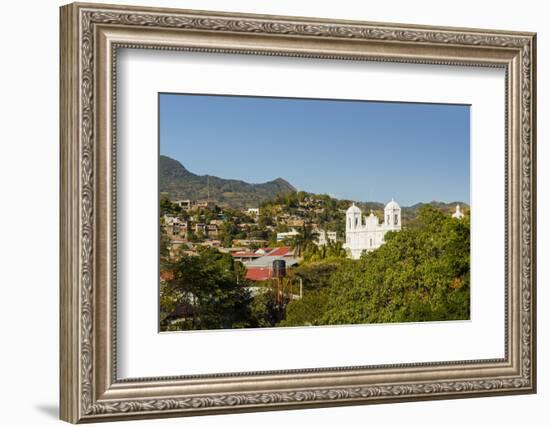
(179, 183)
(409, 213)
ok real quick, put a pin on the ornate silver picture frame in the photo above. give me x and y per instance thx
(91, 390)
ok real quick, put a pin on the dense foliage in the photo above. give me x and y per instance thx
(205, 292)
(421, 273)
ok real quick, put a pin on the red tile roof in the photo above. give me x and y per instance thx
(258, 274)
(282, 251)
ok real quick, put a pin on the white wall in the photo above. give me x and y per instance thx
(29, 170)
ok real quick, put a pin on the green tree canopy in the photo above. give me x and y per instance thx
(308, 311)
(207, 291)
(421, 273)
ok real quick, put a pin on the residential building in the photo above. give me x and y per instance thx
(212, 230)
(175, 228)
(249, 242)
(262, 268)
(245, 256)
(287, 235)
(200, 228)
(204, 204)
(184, 204)
(295, 222)
(324, 237)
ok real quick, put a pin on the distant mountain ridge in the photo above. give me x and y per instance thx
(179, 183)
(410, 212)
(440, 205)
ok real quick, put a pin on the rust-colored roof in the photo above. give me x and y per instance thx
(258, 274)
(282, 251)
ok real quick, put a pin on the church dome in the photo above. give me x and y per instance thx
(392, 205)
(353, 210)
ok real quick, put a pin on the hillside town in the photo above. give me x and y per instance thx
(259, 236)
(284, 262)
(251, 237)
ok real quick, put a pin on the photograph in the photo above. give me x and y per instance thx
(278, 212)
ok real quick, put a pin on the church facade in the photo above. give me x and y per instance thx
(366, 233)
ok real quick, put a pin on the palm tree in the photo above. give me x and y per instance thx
(304, 239)
(336, 250)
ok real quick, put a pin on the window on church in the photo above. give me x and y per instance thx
(395, 219)
(349, 222)
(356, 222)
(388, 220)
(371, 243)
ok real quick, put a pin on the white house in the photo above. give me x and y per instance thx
(324, 237)
(287, 235)
(366, 233)
(253, 211)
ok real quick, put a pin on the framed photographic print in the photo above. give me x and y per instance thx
(264, 212)
(299, 251)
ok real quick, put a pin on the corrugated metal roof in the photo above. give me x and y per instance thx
(267, 261)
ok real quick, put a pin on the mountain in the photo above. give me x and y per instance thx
(180, 183)
(413, 209)
(451, 206)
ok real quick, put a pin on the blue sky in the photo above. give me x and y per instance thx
(364, 151)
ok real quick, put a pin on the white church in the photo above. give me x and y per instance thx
(366, 233)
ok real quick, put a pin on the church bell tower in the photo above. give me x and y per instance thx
(392, 216)
(353, 218)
